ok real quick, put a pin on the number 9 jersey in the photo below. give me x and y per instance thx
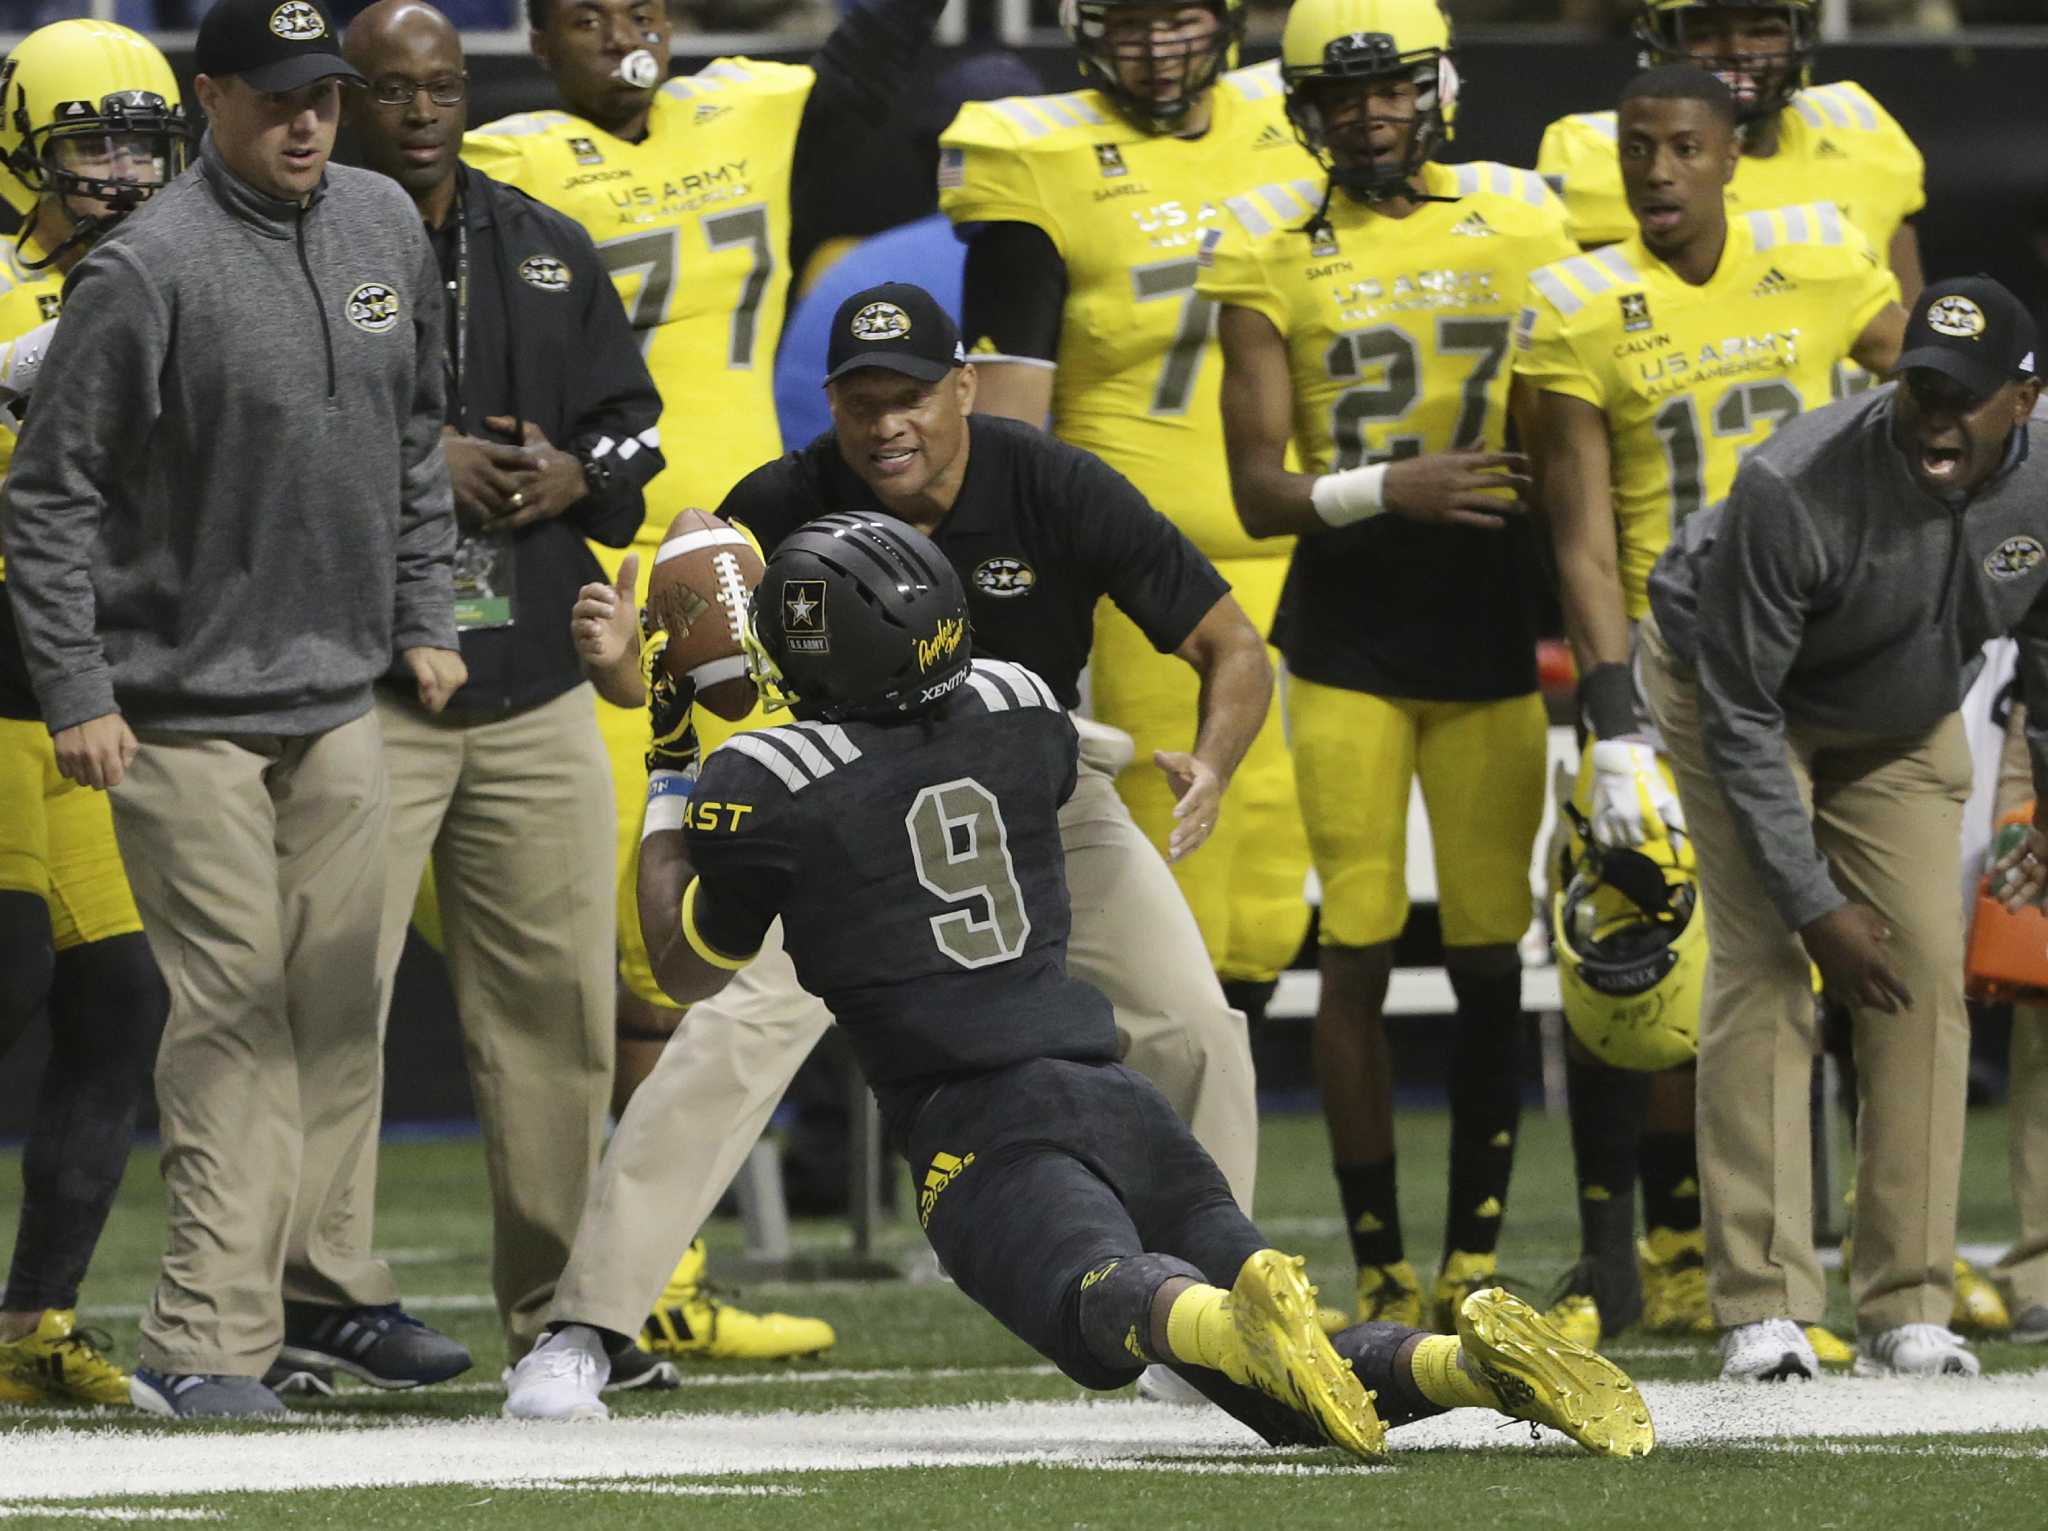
(1692, 377)
(693, 222)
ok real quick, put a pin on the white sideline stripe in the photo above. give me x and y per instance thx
(790, 1378)
(78, 1464)
(81, 1512)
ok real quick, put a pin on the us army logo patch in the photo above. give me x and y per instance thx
(585, 151)
(1635, 311)
(803, 617)
(544, 272)
(1004, 578)
(1111, 160)
(2013, 557)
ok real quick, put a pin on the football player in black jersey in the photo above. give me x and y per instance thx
(905, 831)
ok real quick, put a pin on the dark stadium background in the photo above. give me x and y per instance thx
(1974, 110)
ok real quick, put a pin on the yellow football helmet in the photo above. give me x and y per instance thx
(90, 114)
(1331, 44)
(1663, 25)
(1091, 25)
(1631, 942)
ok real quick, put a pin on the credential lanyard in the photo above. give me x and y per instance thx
(457, 350)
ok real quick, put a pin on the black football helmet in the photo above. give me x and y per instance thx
(858, 615)
(1764, 85)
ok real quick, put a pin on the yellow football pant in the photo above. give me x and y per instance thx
(1247, 884)
(57, 841)
(1481, 767)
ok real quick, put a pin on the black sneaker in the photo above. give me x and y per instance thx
(383, 1346)
(283, 1378)
(196, 1395)
(635, 1368)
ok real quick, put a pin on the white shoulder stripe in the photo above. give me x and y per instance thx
(1611, 257)
(993, 696)
(780, 765)
(1024, 687)
(1552, 286)
(1761, 230)
(798, 745)
(835, 739)
(1248, 214)
(1012, 108)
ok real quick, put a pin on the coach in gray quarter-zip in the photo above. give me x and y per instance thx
(1809, 645)
(228, 515)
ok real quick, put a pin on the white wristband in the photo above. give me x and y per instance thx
(668, 801)
(1353, 495)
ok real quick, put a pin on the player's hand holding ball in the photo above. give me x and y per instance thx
(704, 575)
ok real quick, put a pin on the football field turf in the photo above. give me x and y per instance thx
(928, 1415)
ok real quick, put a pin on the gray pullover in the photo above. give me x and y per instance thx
(229, 510)
(1832, 589)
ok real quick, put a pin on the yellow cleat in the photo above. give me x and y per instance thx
(692, 1321)
(1541, 1376)
(61, 1363)
(1674, 1269)
(1390, 1294)
(1288, 1358)
(1829, 1348)
(1978, 1305)
(1577, 1317)
(1463, 1274)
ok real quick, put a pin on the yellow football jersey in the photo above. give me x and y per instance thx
(1397, 329)
(694, 223)
(1140, 376)
(27, 299)
(1835, 144)
(1692, 377)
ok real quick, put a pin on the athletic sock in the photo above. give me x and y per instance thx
(1606, 1109)
(1486, 1107)
(1371, 1211)
(1443, 1381)
(1201, 1332)
(1671, 1180)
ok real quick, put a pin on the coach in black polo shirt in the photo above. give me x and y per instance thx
(550, 438)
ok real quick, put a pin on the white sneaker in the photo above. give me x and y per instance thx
(560, 1378)
(1776, 1350)
(1915, 1350)
(1162, 1384)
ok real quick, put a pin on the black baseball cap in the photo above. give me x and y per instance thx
(275, 45)
(896, 326)
(1971, 329)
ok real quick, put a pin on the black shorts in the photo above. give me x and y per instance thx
(1032, 1176)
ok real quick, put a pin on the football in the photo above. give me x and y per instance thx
(704, 573)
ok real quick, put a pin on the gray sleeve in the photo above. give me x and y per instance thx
(1755, 591)
(423, 602)
(104, 361)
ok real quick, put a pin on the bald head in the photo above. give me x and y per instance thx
(394, 24)
(410, 55)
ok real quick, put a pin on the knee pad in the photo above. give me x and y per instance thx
(1112, 1305)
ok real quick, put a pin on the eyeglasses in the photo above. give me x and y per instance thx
(448, 90)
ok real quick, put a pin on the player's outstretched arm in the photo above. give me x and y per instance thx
(666, 875)
(1228, 654)
(1457, 488)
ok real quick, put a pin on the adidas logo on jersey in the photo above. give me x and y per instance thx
(1272, 136)
(1827, 150)
(1474, 226)
(1774, 282)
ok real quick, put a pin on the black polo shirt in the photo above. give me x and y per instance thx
(1039, 533)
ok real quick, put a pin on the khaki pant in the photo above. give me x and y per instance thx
(258, 866)
(1887, 815)
(2024, 1267)
(518, 817)
(694, 1120)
